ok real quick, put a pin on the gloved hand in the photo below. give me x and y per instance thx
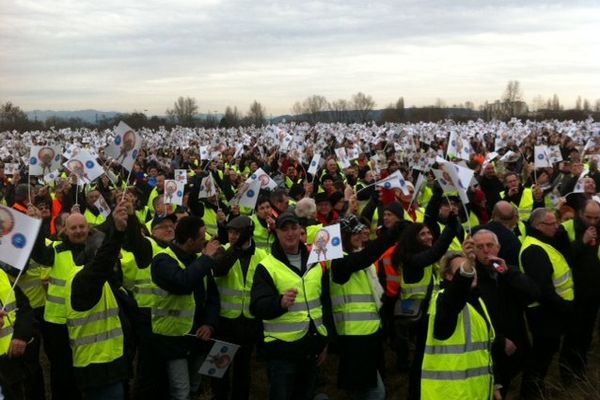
(453, 222)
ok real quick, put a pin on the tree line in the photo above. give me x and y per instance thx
(360, 108)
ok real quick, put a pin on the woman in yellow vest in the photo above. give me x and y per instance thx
(356, 299)
(456, 353)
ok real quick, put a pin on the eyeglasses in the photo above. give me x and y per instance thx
(555, 223)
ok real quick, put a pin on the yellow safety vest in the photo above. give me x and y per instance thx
(525, 205)
(210, 221)
(311, 232)
(459, 367)
(262, 237)
(561, 272)
(419, 212)
(455, 245)
(142, 214)
(93, 219)
(234, 288)
(64, 266)
(570, 228)
(31, 283)
(173, 315)
(7, 296)
(95, 335)
(293, 325)
(144, 289)
(355, 310)
(129, 269)
(418, 290)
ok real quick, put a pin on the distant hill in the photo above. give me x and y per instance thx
(90, 116)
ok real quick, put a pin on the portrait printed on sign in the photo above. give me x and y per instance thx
(320, 244)
(7, 222)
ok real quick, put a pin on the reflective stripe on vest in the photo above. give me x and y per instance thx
(144, 290)
(95, 335)
(210, 221)
(459, 367)
(561, 272)
(234, 288)
(173, 315)
(63, 268)
(293, 325)
(355, 310)
(10, 306)
(392, 276)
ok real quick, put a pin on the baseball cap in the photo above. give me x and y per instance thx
(160, 218)
(285, 218)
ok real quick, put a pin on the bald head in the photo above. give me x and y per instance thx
(77, 228)
(590, 214)
(505, 213)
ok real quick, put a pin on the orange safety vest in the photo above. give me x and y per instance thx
(20, 208)
(392, 275)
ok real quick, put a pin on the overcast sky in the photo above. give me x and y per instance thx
(130, 55)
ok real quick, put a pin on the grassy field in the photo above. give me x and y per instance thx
(397, 383)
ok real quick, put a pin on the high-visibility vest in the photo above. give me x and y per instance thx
(234, 288)
(262, 237)
(142, 215)
(144, 289)
(473, 221)
(31, 284)
(293, 325)
(561, 272)
(418, 290)
(459, 367)
(374, 224)
(153, 194)
(426, 195)
(355, 310)
(392, 275)
(420, 215)
(63, 267)
(129, 269)
(7, 296)
(95, 335)
(455, 245)
(172, 314)
(93, 219)
(570, 228)
(311, 232)
(210, 221)
(525, 204)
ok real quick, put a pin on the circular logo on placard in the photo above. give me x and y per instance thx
(253, 176)
(89, 164)
(134, 154)
(179, 194)
(118, 140)
(33, 161)
(540, 156)
(19, 240)
(313, 163)
(387, 185)
(250, 193)
(335, 241)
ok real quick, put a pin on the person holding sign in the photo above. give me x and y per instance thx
(188, 304)
(234, 277)
(292, 298)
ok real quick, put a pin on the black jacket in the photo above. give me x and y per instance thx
(167, 275)
(585, 265)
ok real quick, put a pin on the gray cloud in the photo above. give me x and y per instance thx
(143, 54)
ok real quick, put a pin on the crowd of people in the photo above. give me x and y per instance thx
(463, 296)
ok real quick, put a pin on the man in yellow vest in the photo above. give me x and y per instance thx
(542, 257)
(526, 199)
(234, 277)
(287, 294)
(99, 332)
(186, 312)
(79, 247)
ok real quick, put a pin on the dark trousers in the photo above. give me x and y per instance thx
(237, 377)
(151, 381)
(58, 351)
(35, 380)
(543, 350)
(292, 379)
(578, 339)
